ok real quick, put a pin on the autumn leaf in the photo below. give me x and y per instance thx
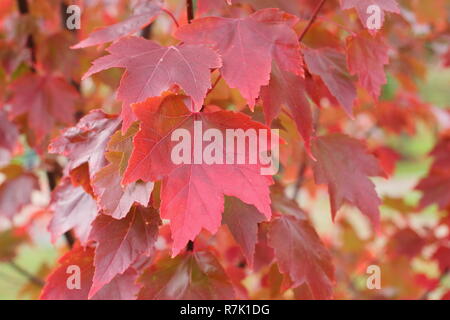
(288, 90)
(8, 138)
(45, 100)
(72, 208)
(362, 6)
(16, 190)
(435, 186)
(192, 195)
(190, 276)
(330, 65)
(59, 284)
(300, 252)
(144, 13)
(86, 142)
(152, 69)
(345, 166)
(121, 242)
(248, 46)
(242, 221)
(366, 57)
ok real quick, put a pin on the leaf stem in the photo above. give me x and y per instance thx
(312, 19)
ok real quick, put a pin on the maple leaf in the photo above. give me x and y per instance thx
(361, 7)
(190, 276)
(288, 89)
(299, 250)
(248, 46)
(345, 165)
(152, 69)
(442, 255)
(113, 199)
(435, 186)
(121, 242)
(45, 100)
(72, 208)
(192, 195)
(242, 221)
(8, 138)
(366, 57)
(86, 142)
(57, 287)
(330, 65)
(144, 13)
(16, 190)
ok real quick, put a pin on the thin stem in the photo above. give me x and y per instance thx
(26, 274)
(170, 14)
(24, 10)
(214, 84)
(312, 19)
(300, 176)
(190, 10)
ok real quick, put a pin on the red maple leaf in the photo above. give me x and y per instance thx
(345, 165)
(144, 13)
(192, 195)
(57, 286)
(86, 142)
(366, 57)
(190, 276)
(361, 7)
(152, 69)
(45, 100)
(331, 66)
(121, 242)
(248, 46)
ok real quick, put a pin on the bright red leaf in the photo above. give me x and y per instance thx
(152, 69)
(248, 46)
(192, 195)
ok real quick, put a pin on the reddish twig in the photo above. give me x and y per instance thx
(312, 19)
(170, 14)
(190, 10)
(24, 10)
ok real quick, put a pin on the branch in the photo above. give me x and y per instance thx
(26, 274)
(24, 10)
(190, 10)
(190, 246)
(312, 19)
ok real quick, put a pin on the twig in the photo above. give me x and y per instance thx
(190, 10)
(26, 274)
(170, 14)
(190, 246)
(300, 177)
(312, 19)
(24, 10)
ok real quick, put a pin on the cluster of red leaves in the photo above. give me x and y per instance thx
(149, 229)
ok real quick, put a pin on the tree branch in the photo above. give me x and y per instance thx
(24, 10)
(312, 19)
(26, 274)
